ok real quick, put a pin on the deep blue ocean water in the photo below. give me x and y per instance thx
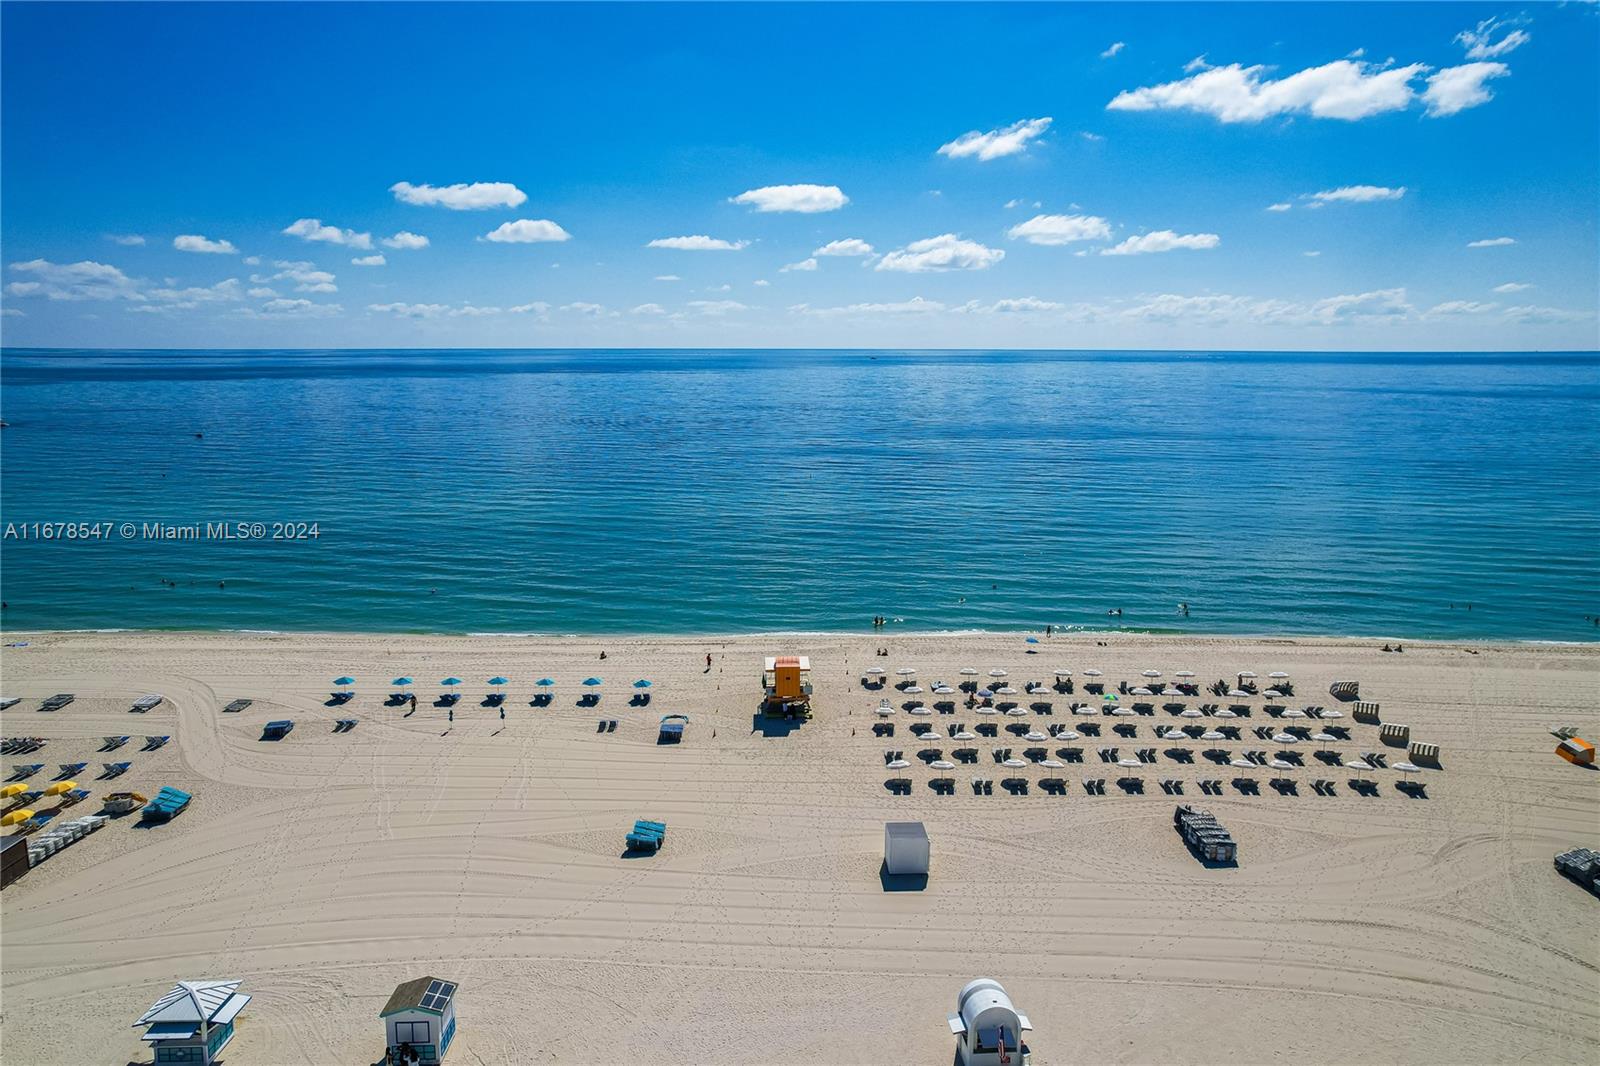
(732, 491)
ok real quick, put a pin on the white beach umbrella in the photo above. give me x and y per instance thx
(898, 764)
(1184, 673)
(1141, 691)
(906, 671)
(1294, 713)
(1063, 673)
(997, 672)
(1279, 764)
(1093, 673)
(1086, 710)
(1005, 690)
(1360, 766)
(1174, 734)
(875, 671)
(1051, 764)
(1223, 712)
(919, 709)
(912, 690)
(1277, 673)
(1407, 769)
(1066, 734)
(1123, 712)
(1324, 738)
(1015, 764)
(1191, 712)
(1212, 734)
(1238, 693)
(932, 734)
(1243, 764)
(1035, 735)
(942, 764)
(963, 735)
(1248, 673)
(943, 690)
(1129, 762)
(1333, 714)
(884, 710)
(969, 671)
(1017, 712)
(1152, 673)
(1286, 738)
(986, 710)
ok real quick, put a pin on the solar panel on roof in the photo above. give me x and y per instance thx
(437, 995)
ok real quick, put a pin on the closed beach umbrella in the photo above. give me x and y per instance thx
(402, 681)
(591, 681)
(1277, 674)
(942, 764)
(451, 681)
(344, 681)
(1223, 712)
(498, 681)
(1192, 712)
(1279, 764)
(641, 683)
(1184, 673)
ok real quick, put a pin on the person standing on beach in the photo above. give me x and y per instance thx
(708, 662)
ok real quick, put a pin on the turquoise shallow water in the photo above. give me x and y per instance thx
(699, 492)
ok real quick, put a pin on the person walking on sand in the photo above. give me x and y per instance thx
(452, 713)
(502, 712)
(708, 662)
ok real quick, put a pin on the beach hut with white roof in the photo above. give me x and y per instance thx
(193, 1022)
(987, 1028)
(420, 1021)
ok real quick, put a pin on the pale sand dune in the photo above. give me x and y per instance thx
(325, 869)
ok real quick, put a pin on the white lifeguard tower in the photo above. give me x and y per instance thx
(987, 1028)
(193, 1022)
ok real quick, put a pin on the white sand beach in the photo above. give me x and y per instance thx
(325, 869)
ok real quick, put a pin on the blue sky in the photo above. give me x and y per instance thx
(1262, 176)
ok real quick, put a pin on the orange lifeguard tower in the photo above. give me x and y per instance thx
(1577, 751)
(786, 683)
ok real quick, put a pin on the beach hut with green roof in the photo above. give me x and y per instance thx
(420, 1021)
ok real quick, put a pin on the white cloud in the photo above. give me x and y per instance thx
(1061, 229)
(1459, 307)
(588, 310)
(668, 277)
(283, 308)
(86, 280)
(944, 252)
(376, 260)
(261, 292)
(1163, 240)
(1020, 305)
(461, 197)
(252, 260)
(1382, 304)
(13, 312)
(406, 240)
(996, 144)
(190, 242)
(1113, 50)
(1342, 89)
(1310, 255)
(127, 240)
(1355, 194)
(698, 243)
(1492, 242)
(538, 308)
(312, 229)
(803, 265)
(1513, 286)
(914, 306)
(720, 288)
(527, 231)
(411, 310)
(761, 283)
(848, 246)
(187, 299)
(1279, 207)
(306, 276)
(1528, 315)
(716, 307)
(1479, 41)
(648, 309)
(801, 199)
(1197, 63)
(1458, 88)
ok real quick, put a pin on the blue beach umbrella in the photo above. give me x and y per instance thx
(402, 681)
(344, 681)
(641, 683)
(591, 681)
(451, 681)
(544, 682)
(1033, 640)
(497, 681)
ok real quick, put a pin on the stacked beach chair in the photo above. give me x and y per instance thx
(68, 833)
(168, 803)
(647, 836)
(1204, 834)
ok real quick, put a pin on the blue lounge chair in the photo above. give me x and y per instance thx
(647, 836)
(277, 730)
(115, 769)
(168, 802)
(152, 743)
